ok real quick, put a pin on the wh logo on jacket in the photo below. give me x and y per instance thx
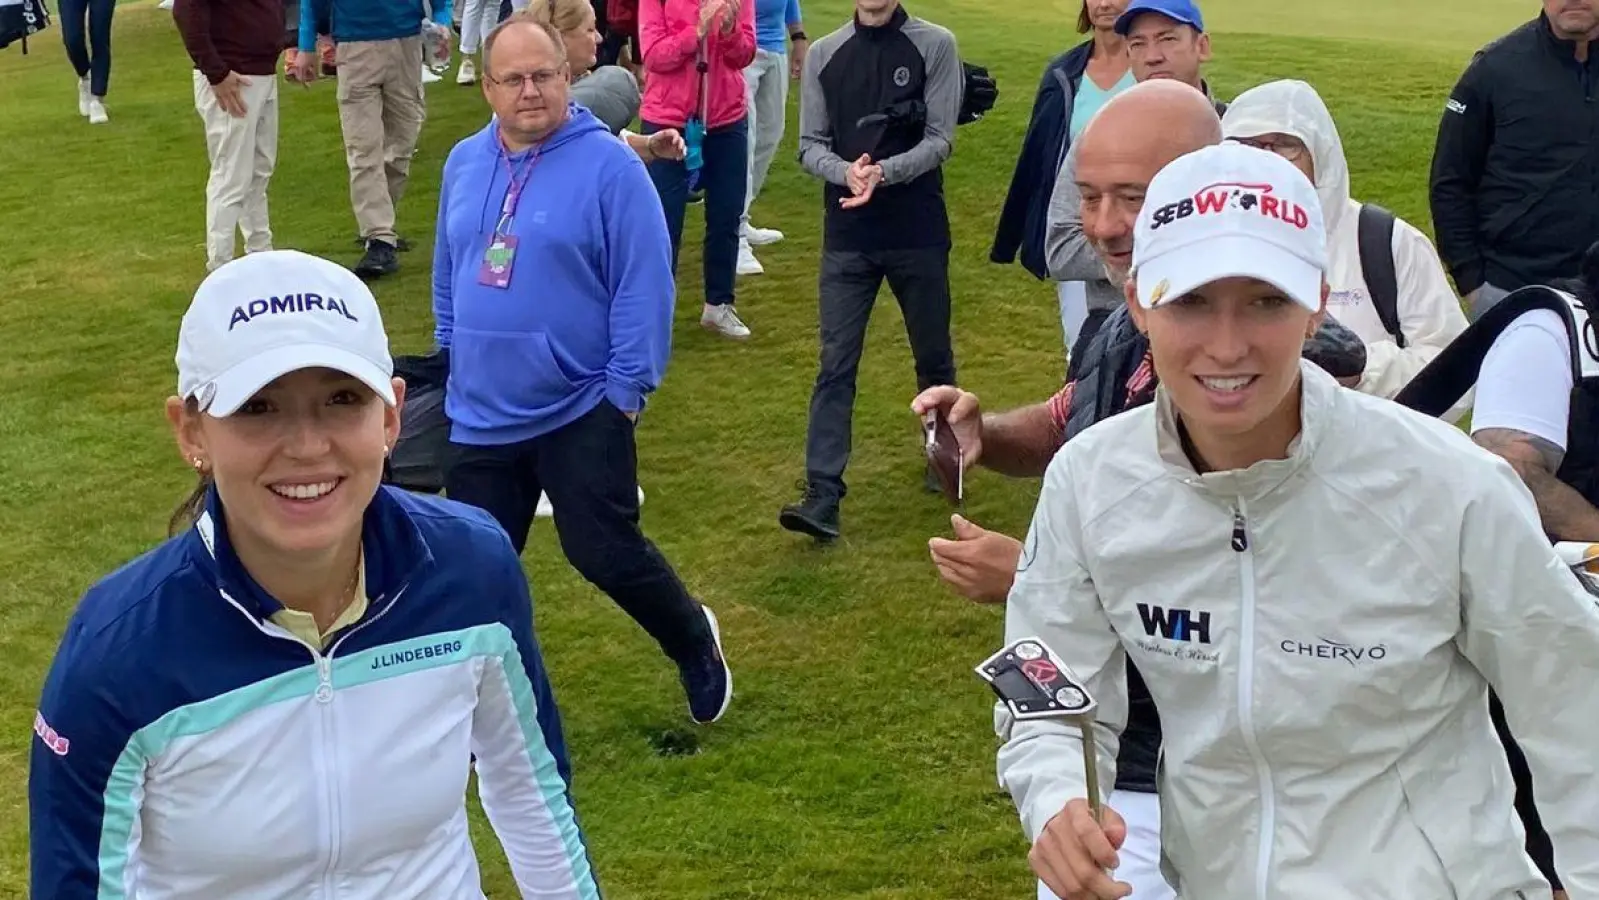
(1175, 624)
(1233, 197)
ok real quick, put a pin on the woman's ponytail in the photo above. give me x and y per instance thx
(188, 512)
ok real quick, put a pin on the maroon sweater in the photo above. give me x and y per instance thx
(244, 36)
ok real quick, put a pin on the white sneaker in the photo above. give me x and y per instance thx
(724, 321)
(429, 76)
(467, 73)
(760, 237)
(84, 96)
(544, 510)
(97, 114)
(747, 263)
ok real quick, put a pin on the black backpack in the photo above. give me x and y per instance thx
(978, 93)
(1376, 239)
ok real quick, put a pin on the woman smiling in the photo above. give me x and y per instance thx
(288, 694)
(1317, 586)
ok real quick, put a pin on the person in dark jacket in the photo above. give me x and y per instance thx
(879, 102)
(1075, 85)
(1516, 166)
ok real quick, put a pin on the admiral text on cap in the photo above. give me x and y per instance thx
(265, 315)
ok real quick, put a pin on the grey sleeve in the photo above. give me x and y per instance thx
(1067, 253)
(816, 154)
(942, 94)
(611, 94)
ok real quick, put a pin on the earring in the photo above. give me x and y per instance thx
(199, 464)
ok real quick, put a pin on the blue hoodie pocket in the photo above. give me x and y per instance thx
(506, 378)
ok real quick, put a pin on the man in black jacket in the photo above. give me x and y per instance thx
(879, 101)
(1515, 174)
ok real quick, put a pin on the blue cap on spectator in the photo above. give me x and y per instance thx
(1184, 11)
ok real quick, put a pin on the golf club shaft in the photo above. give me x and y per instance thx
(1091, 769)
(1091, 772)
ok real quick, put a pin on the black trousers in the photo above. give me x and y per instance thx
(847, 291)
(589, 469)
(1539, 847)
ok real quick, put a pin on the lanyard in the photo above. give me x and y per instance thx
(513, 191)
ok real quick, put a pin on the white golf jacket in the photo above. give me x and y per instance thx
(1319, 634)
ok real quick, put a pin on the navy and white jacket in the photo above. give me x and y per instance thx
(189, 747)
(1023, 218)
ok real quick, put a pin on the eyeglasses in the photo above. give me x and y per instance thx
(1288, 148)
(540, 80)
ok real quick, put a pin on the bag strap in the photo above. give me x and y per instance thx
(1376, 238)
(1453, 372)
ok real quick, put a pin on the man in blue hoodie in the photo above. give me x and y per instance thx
(381, 107)
(553, 297)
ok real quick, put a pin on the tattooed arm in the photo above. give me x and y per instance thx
(1566, 515)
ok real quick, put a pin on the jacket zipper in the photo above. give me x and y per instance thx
(329, 748)
(325, 757)
(1246, 697)
(327, 766)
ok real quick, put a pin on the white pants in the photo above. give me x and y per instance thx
(1073, 297)
(478, 18)
(766, 86)
(243, 152)
(1140, 853)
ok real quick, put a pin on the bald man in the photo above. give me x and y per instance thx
(1068, 253)
(1134, 136)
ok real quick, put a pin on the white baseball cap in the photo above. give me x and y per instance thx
(1230, 211)
(267, 314)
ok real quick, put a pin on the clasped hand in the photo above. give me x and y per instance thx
(862, 178)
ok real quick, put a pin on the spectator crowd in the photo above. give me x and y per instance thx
(1338, 646)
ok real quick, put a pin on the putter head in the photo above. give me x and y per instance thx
(1033, 683)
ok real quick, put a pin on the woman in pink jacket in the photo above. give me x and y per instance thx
(687, 45)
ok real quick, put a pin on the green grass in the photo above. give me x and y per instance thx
(857, 760)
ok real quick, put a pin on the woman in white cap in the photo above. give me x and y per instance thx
(1318, 587)
(285, 698)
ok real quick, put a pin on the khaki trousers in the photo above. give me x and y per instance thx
(243, 152)
(381, 110)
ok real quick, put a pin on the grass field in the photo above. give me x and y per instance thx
(857, 760)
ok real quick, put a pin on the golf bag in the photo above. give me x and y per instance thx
(20, 20)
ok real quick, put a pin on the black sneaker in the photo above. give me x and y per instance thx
(816, 514)
(378, 261)
(708, 681)
(400, 243)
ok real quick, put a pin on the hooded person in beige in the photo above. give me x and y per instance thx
(1290, 118)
